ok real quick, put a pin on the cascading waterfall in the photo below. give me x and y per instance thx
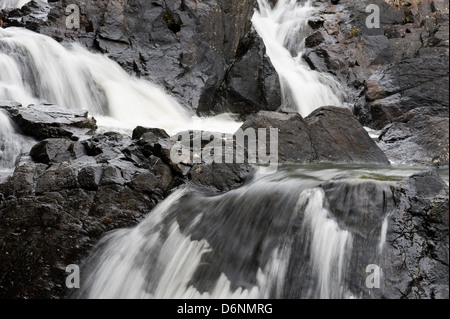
(330, 246)
(283, 30)
(12, 145)
(272, 238)
(38, 69)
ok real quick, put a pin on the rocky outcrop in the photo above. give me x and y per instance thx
(204, 53)
(411, 250)
(72, 189)
(397, 73)
(417, 139)
(53, 210)
(75, 185)
(416, 259)
(329, 134)
(47, 121)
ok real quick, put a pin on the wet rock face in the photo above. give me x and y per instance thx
(421, 139)
(414, 258)
(204, 53)
(397, 73)
(417, 259)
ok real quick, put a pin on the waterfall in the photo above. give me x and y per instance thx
(272, 238)
(384, 229)
(38, 69)
(330, 246)
(12, 145)
(283, 29)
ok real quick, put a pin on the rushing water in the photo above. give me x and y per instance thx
(279, 236)
(12, 145)
(16, 3)
(283, 29)
(36, 69)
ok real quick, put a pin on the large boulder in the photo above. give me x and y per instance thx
(329, 134)
(51, 121)
(418, 139)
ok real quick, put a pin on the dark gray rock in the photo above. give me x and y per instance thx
(337, 135)
(391, 70)
(419, 139)
(250, 84)
(89, 177)
(405, 86)
(139, 131)
(294, 142)
(330, 134)
(220, 176)
(53, 213)
(314, 39)
(378, 49)
(416, 261)
(56, 151)
(51, 121)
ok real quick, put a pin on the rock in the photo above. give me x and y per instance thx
(404, 87)
(51, 121)
(139, 131)
(250, 84)
(294, 142)
(361, 207)
(378, 49)
(89, 177)
(56, 151)
(81, 196)
(217, 176)
(329, 134)
(337, 135)
(221, 176)
(416, 259)
(314, 39)
(83, 190)
(419, 139)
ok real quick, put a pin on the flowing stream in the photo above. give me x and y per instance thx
(284, 29)
(278, 236)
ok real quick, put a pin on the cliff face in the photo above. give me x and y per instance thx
(396, 75)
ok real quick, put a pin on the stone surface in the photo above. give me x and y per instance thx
(51, 121)
(416, 259)
(329, 134)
